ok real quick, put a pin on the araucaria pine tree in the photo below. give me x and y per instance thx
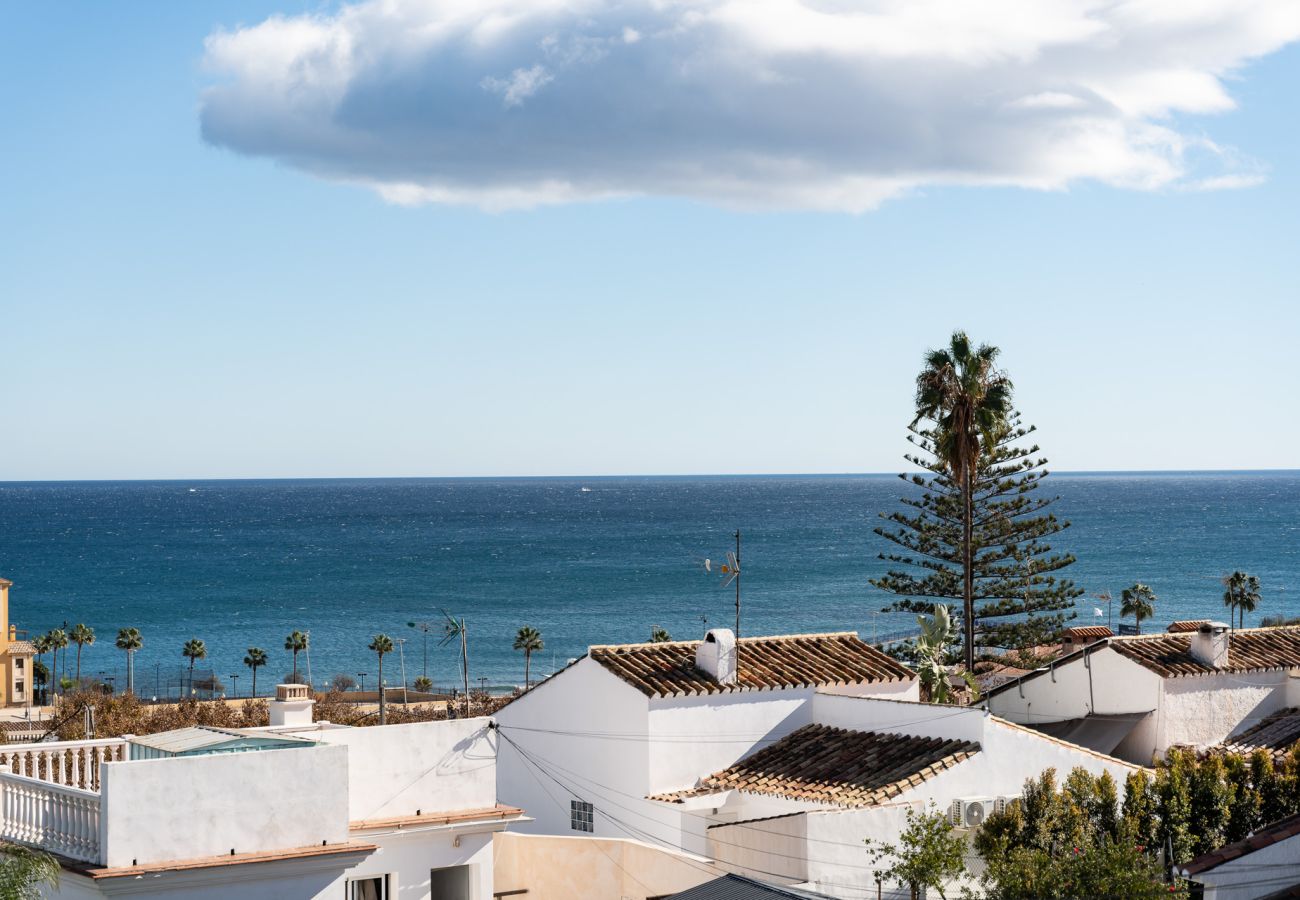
(973, 532)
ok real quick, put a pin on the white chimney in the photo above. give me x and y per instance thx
(716, 655)
(1210, 645)
(292, 705)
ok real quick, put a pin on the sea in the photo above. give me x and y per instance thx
(583, 560)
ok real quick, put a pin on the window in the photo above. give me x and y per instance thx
(18, 663)
(582, 816)
(451, 883)
(372, 888)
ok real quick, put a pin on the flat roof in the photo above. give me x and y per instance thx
(198, 737)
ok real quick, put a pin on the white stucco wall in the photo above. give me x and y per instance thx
(167, 809)
(1255, 875)
(1102, 682)
(590, 730)
(409, 856)
(1205, 709)
(398, 770)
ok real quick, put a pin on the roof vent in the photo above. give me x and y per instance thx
(1210, 645)
(292, 705)
(716, 655)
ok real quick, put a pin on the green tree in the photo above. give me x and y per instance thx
(424, 684)
(381, 644)
(1138, 601)
(931, 650)
(81, 635)
(1174, 788)
(23, 870)
(1018, 601)
(129, 640)
(1241, 594)
(455, 630)
(255, 658)
(528, 640)
(42, 645)
(1211, 805)
(929, 854)
(1244, 806)
(194, 650)
(296, 642)
(659, 635)
(58, 641)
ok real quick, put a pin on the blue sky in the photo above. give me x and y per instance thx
(228, 306)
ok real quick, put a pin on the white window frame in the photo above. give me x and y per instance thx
(386, 889)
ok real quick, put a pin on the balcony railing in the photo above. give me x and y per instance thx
(55, 817)
(71, 763)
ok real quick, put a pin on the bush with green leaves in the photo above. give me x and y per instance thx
(929, 854)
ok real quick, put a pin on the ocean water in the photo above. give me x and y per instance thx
(584, 560)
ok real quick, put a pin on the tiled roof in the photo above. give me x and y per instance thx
(1276, 734)
(1186, 625)
(1265, 837)
(1086, 632)
(21, 648)
(236, 859)
(738, 887)
(498, 813)
(799, 660)
(1250, 650)
(832, 765)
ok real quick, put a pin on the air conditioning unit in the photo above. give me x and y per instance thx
(970, 812)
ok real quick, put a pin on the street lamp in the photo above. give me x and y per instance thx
(424, 628)
(234, 684)
(362, 681)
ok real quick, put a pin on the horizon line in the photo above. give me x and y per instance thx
(577, 477)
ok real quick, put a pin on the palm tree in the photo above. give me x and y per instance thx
(659, 635)
(255, 659)
(81, 635)
(194, 650)
(968, 398)
(58, 641)
(24, 869)
(456, 629)
(1241, 594)
(1139, 602)
(296, 642)
(42, 645)
(129, 639)
(423, 684)
(381, 644)
(529, 640)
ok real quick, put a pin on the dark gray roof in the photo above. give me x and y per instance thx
(738, 887)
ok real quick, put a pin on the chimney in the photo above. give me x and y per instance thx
(1210, 645)
(716, 655)
(292, 705)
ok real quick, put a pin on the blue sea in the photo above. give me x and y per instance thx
(584, 560)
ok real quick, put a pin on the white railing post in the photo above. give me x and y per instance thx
(56, 817)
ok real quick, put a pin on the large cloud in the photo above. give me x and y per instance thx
(826, 104)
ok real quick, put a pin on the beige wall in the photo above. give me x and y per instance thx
(589, 868)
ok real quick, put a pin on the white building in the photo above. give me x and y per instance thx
(775, 768)
(582, 750)
(1138, 696)
(296, 810)
(1262, 866)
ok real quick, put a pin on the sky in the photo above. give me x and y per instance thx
(257, 239)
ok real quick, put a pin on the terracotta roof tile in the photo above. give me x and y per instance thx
(496, 813)
(1185, 625)
(1276, 734)
(1265, 837)
(832, 765)
(1250, 650)
(1086, 632)
(800, 660)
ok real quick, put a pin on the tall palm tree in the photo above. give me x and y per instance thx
(1241, 594)
(381, 644)
(1138, 601)
(81, 635)
(255, 659)
(962, 391)
(129, 640)
(58, 641)
(42, 646)
(529, 640)
(296, 642)
(194, 650)
(454, 629)
(659, 635)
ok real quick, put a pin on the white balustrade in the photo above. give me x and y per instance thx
(55, 817)
(71, 763)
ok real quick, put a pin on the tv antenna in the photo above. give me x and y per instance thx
(730, 571)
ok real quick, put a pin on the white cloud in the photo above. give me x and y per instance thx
(822, 104)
